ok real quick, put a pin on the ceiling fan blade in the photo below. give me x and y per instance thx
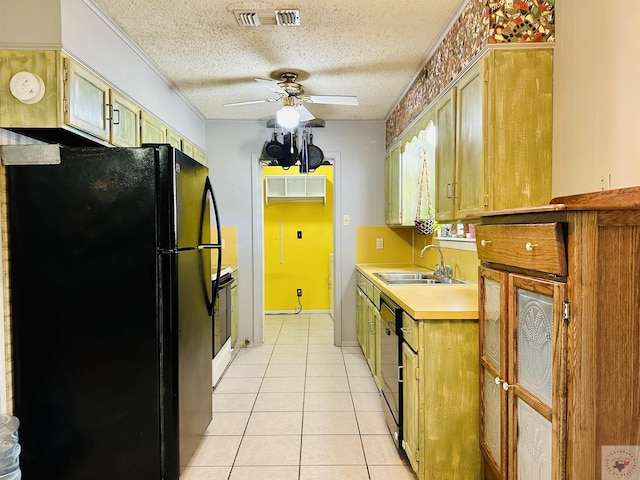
(271, 85)
(332, 99)
(250, 102)
(305, 115)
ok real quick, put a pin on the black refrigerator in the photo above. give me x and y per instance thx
(111, 301)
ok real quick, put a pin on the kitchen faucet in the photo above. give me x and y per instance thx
(442, 270)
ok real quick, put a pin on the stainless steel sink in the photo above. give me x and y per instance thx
(415, 278)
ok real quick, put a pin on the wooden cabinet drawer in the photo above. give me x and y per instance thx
(537, 247)
(410, 331)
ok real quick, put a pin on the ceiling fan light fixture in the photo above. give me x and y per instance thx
(287, 117)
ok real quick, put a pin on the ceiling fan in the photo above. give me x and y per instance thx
(292, 95)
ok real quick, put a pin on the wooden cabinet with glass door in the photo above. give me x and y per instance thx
(559, 323)
(523, 373)
(492, 289)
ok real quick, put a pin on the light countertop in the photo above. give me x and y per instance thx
(424, 302)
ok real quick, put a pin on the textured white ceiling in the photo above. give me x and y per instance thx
(371, 49)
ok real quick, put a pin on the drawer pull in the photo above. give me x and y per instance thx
(530, 246)
(484, 242)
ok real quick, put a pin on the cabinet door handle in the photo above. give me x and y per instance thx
(530, 246)
(116, 122)
(448, 190)
(484, 242)
(505, 385)
(405, 330)
(400, 369)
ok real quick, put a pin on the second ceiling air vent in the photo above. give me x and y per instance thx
(288, 18)
(257, 18)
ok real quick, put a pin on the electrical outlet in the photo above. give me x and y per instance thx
(299, 292)
(605, 181)
(379, 243)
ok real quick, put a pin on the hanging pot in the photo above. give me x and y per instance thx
(303, 157)
(275, 149)
(290, 151)
(315, 156)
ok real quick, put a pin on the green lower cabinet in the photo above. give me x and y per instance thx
(441, 401)
(410, 404)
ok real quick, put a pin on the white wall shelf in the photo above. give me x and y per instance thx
(303, 188)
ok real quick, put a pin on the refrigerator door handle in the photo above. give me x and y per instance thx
(208, 191)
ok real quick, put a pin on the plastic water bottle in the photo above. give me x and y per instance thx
(9, 448)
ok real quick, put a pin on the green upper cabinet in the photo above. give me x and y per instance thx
(174, 139)
(46, 94)
(503, 132)
(72, 98)
(445, 114)
(188, 148)
(392, 186)
(152, 129)
(199, 156)
(125, 121)
(468, 191)
(86, 100)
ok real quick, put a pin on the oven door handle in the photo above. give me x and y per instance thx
(226, 283)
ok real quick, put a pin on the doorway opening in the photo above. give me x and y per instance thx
(276, 244)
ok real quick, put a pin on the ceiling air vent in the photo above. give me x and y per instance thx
(288, 18)
(257, 18)
(247, 19)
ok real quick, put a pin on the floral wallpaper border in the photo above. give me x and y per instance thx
(481, 22)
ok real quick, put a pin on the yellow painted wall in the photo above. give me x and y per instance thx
(230, 249)
(397, 245)
(291, 263)
(403, 245)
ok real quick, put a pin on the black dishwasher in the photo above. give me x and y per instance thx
(391, 364)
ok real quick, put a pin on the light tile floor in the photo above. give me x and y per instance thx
(297, 408)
